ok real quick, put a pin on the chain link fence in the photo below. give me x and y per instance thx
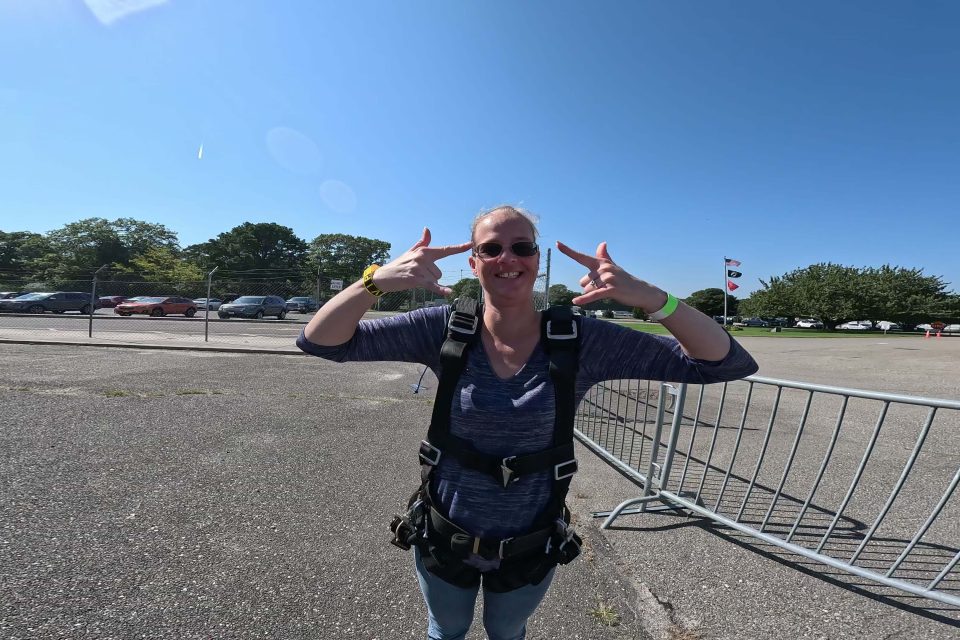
(243, 310)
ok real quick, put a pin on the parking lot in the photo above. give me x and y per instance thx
(152, 493)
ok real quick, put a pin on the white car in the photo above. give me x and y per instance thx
(856, 325)
(622, 315)
(809, 323)
(952, 328)
(886, 325)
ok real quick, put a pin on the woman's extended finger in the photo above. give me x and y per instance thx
(592, 296)
(437, 288)
(435, 272)
(588, 261)
(436, 253)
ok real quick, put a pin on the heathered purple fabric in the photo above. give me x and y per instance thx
(515, 416)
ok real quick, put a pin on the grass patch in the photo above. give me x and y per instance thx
(198, 392)
(760, 332)
(117, 393)
(605, 615)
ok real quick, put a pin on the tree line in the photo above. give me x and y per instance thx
(135, 250)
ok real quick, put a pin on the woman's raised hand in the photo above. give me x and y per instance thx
(416, 267)
(606, 279)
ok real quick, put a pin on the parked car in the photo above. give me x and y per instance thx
(856, 325)
(886, 325)
(254, 307)
(809, 323)
(157, 307)
(302, 304)
(755, 322)
(8, 295)
(109, 302)
(952, 328)
(203, 303)
(622, 314)
(41, 302)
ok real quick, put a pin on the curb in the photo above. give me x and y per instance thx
(150, 345)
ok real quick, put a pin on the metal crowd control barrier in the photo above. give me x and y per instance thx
(857, 480)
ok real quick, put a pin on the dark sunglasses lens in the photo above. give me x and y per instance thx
(489, 249)
(524, 249)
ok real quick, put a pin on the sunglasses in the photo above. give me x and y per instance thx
(487, 250)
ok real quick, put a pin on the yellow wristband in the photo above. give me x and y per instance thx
(368, 283)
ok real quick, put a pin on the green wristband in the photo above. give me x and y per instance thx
(667, 310)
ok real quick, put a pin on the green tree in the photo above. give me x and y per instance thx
(161, 264)
(19, 252)
(79, 248)
(904, 295)
(343, 256)
(262, 246)
(561, 295)
(467, 287)
(710, 302)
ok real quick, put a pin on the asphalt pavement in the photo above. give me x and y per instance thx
(159, 494)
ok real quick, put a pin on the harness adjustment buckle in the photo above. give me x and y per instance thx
(559, 472)
(561, 336)
(503, 543)
(506, 471)
(429, 454)
(463, 323)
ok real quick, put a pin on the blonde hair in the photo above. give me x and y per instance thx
(510, 210)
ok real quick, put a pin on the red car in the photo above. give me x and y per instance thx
(109, 302)
(157, 307)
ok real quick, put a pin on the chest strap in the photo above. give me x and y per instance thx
(560, 340)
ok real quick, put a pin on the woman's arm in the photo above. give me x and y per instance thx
(700, 336)
(337, 320)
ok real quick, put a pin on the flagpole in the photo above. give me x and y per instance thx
(724, 290)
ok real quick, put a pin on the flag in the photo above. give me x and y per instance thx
(732, 263)
(733, 286)
(733, 274)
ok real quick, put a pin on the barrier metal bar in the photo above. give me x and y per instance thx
(857, 476)
(926, 525)
(763, 452)
(823, 467)
(909, 587)
(713, 441)
(793, 454)
(736, 446)
(896, 490)
(655, 488)
(693, 433)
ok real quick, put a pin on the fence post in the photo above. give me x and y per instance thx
(206, 313)
(93, 300)
(318, 284)
(546, 298)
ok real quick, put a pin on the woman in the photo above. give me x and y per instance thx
(504, 404)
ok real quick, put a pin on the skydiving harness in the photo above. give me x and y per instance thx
(444, 545)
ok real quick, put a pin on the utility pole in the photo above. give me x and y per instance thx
(206, 317)
(93, 300)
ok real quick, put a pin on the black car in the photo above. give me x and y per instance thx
(254, 307)
(302, 304)
(41, 302)
(7, 295)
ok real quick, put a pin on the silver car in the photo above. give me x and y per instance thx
(203, 303)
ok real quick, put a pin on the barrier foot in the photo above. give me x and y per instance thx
(613, 515)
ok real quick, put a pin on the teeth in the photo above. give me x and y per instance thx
(511, 274)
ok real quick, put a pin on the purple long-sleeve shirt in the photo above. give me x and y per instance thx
(514, 416)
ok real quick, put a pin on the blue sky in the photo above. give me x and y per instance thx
(779, 134)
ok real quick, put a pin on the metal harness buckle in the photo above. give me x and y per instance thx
(561, 336)
(458, 319)
(430, 450)
(506, 471)
(557, 475)
(503, 543)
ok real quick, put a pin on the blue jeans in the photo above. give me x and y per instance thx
(451, 608)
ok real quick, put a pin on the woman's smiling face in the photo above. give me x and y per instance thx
(506, 277)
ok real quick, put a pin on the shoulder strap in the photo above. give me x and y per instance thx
(463, 331)
(560, 336)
